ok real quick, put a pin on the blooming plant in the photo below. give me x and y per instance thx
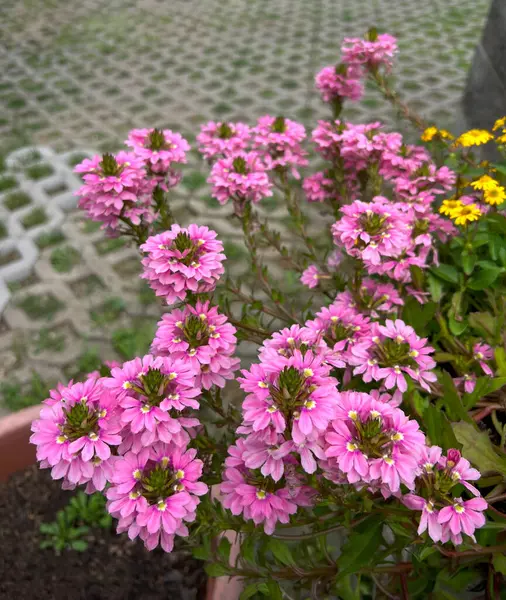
(362, 452)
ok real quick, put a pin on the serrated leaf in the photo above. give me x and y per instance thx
(250, 590)
(216, 570)
(478, 449)
(224, 549)
(281, 551)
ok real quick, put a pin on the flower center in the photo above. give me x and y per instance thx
(80, 420)
(225, 132)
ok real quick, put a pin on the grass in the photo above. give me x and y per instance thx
(146, 295)
(76, 158)
(46, 240)
(7, 182)
(16, 200)
(3, 231)
(37, 172)
(110, 245)
(36, 217)
(194, 180)
(49, 340)
(85, 363)
(135, 340)
(44, 306)
(107, 312)
(15, 397)
(64, 259)
(87, 285)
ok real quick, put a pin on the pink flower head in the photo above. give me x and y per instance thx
(154, 492)
(393, 351)
(284, 343)
(483, 353)
(340, 329)
(376, 51)
(459, 470)
(311, 277)
(155, 395)
(183, 260)
(296, 390)
(339, 82)
(75, 434)
(115, 186)
(371, 231)
(277, 140)
(374, 442)
(203, 339)
(159, 149)
(462, 517)
(319, 187)
(222, 139)
(242, 177)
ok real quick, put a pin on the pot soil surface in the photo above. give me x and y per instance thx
(112, 568)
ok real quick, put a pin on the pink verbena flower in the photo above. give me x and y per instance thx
(75, 434)
(311, 277)
(319, 187)
(242, 177)
(376, 51)
(155, 395)
(278, 141)
(374, 443)
(393, 351)
(203, 339)
(339, 328)
(463, 516)
(158, 148)
(216, 139)
(339, 82)
(154, 492)
(115, 186)
(183, 260)
(294, 390)
(372, 230)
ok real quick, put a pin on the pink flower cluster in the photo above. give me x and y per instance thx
(446, 516)
(159, 149)
(203, 339)
(115, 187)
(376, 51)
(336, 83)
(223, 139)
(131, 431)
(183, 260)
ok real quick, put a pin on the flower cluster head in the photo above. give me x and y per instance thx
(391, 352)
(160, 149)
(114, 187)
(336, 83)
(223, 139)
(319, 187)
(474, 137)
(462, 210)
(155, 395)
(242, 177)
(268, 498)
(445, 514)
(375, 51)
(278, 142)
(78, 427)
(293, 393)
(155, 492)
(183, 260)
(432, 133)
(203, 339)
(374, 443)
(373, 230)
(371, 299)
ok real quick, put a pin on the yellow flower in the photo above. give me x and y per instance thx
(501, 139)
(485, 183)
(474, 137)
(499, 123)
(466, 214)
(495, 196)
(429, 134)
(446, 135)
(448, 206)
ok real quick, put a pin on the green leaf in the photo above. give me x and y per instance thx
(456, 327)
(281, 551)
(248, 549)
(446, 273)
(483, 278)
(79, 545)
(216, 570)
(451, 399)
(418, 315)
(224, 549)
(201, 553)
(250, 590)
(478, 449)
(436, 287)
(499, 562)
(361, 547)
(274, 591)
(426, 552)
(483, 322)
(439, 429)
(500, 359)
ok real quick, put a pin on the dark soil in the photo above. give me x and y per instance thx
(112, 568)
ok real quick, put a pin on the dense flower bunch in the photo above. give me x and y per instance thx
(388, 351)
